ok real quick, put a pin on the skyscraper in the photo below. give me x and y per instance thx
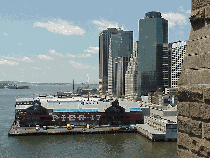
(131, 75)
(118, 43)
(178, 54)
(120, 68)
(153, 53)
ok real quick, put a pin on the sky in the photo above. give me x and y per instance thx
(58, 41)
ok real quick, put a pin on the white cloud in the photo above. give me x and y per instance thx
(182, 10)
(188, 11)
(95, 67)
(45, 57)
(70, 55)
(35, 68)
(174, 18)
(6, 62)
(24, 59)
(19, 44)
(103, 24)
(78, 55)
(83, 55)
(92, 50)
(61, 27)
(5, 34)
(80, 65)
(53, 52)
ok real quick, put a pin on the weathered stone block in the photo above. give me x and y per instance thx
(190, 143)
(197, 34)
(194, 93)
(181, 153)
(197, 61)
(193, 145)
(200, 111)
(189, 126)
(197, 4)
(194, 83)
(183, 109)
(194, 110)
(203, 149)
(192, 76)
(207, 11)
(206, 130)
(190, 94)
(206, 92)
(197, 46)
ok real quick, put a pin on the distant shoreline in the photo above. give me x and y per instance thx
(42, 83)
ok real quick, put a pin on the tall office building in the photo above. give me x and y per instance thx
(178, 50)
(131, 75)
(169, 62)
(152, 54)
(120, 67)
(118, 43)
(119, 54)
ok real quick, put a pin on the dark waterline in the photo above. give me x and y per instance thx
(102, 145)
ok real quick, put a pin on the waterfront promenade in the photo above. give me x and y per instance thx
(150, 132)
(143, 129)
(21, 131)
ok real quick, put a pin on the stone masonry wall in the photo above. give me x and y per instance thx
(193, 139)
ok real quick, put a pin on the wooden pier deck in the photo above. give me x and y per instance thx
(143, 129)
(23, 131)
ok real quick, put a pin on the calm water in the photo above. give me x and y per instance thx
(105, 145)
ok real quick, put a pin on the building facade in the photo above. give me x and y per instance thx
(178, 50)
(161, 124)
(131, 75)
(153, 53)
(119, 53)
(124, 45)
(54, 111)
(120, 68)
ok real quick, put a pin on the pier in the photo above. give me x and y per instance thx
(24, 131)
(152, 134)
(143, 129)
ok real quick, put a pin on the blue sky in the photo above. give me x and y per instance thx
(57, 41)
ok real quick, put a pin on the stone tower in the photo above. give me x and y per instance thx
(193, 139)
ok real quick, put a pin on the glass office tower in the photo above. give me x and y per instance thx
(120, 47)
(123, 45)
(153, 54)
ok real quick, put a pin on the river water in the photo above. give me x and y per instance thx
(96, 145)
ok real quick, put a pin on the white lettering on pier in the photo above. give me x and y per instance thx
(55, 117)
(98, 117)
(92, 118)
(81, 117)
(71, 117)
(63, 117)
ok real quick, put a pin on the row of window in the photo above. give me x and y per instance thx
(24, 103)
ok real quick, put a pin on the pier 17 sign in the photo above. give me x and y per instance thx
(76, 117)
